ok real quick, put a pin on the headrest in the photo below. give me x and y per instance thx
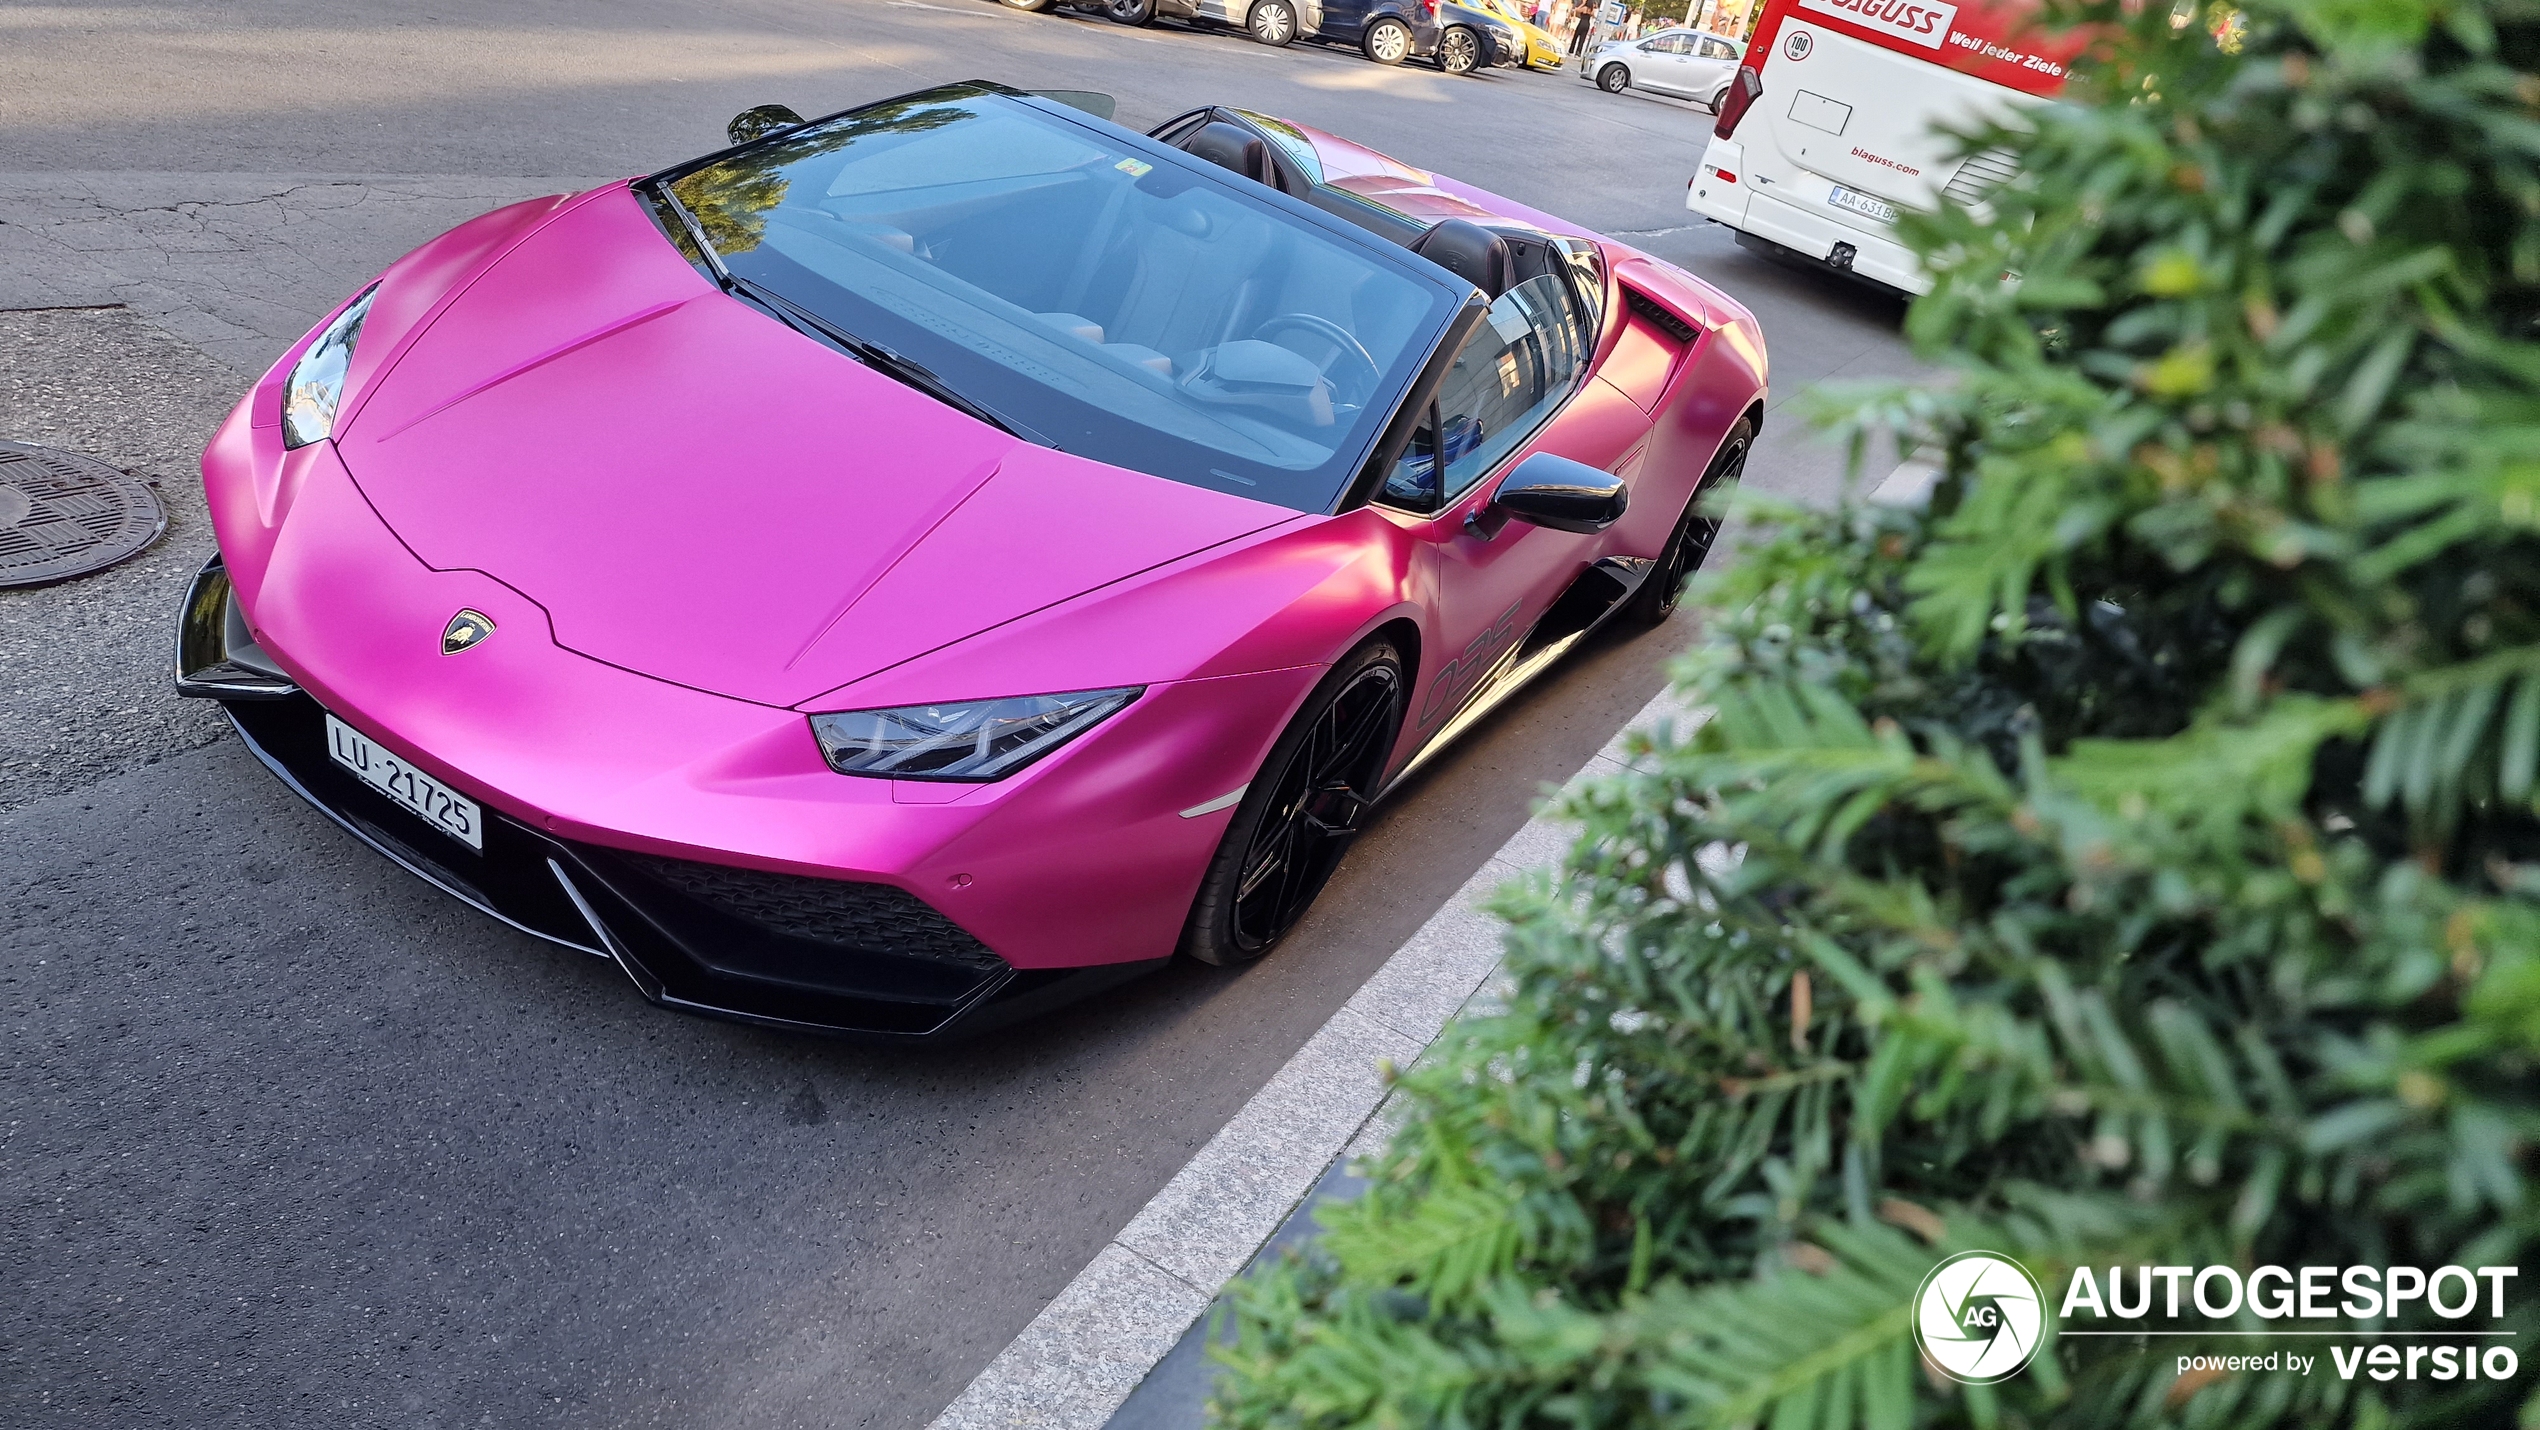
(1470, 252)
(1231, 146)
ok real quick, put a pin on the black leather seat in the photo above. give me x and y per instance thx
(1470, 252)
(1230, 146)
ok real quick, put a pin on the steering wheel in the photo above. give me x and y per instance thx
(1344, 345)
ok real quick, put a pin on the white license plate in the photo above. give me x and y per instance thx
(1863, 205)
(433, 802)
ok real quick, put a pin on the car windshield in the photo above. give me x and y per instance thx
(1131, 306)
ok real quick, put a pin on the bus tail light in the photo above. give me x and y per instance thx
(1743, 91)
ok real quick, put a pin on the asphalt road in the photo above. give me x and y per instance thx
(287, 1138)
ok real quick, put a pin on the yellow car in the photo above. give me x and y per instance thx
(1542, 51)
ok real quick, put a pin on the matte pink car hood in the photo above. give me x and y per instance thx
(694, 491)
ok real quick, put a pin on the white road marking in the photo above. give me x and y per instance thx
(1086, 1350)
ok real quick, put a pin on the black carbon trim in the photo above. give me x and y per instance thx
(827, 956)
(882, 917)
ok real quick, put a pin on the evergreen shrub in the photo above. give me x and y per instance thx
(2130, 859)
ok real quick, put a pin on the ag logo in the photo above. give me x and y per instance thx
(1979, 1317)
(1799, 44)
(464, 630)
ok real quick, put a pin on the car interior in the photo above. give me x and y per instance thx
(1509, 376)
(1135, 288)
(1165, 291)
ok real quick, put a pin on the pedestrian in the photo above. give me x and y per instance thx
(1579, 26)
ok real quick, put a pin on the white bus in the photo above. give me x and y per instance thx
(1827, 129)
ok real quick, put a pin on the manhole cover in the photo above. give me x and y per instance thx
(65, 515)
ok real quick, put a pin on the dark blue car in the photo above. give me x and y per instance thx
(1461, 40)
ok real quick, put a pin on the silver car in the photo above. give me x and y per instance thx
(1688, 64)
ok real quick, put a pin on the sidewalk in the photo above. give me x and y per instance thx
(1135, 1317)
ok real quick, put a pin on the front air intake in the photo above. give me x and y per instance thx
(873, 918)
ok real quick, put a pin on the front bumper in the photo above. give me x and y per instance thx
(833, 956)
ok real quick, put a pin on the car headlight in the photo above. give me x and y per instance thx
(974, 740)
(316, 386)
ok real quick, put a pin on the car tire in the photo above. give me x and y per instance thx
(1614, 79)
(1718, 97)
(1301, 812)
(1388, 41)
(1272, 22)
(1460, 50)
(1132, 13)
(1695, 532)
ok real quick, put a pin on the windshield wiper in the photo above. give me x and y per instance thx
(697, 235)
(886, 361)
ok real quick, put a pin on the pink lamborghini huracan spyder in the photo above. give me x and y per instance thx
(916, 566)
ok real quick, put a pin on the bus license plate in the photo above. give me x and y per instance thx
(433, 802)
(1863, 205)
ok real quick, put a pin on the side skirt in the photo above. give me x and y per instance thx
(1597, 594)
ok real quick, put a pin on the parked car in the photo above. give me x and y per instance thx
(1542, 51)
(908, 568)
(1272, 22)
(1688, 64)
(1460, 39)
(1508, 36)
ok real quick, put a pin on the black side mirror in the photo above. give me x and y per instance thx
(1556, 492)
(758, 123)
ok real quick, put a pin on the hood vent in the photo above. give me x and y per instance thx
(1657, 315)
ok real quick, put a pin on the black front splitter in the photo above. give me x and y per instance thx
(680, 949)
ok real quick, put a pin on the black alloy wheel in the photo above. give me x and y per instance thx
(1130, 12)
(1459, 51)
(1695, 532)
(1301, 812)
(1614, 79)
(1388, 41)
(1272, 22)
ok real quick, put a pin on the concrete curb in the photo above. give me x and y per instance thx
(1080, 1358)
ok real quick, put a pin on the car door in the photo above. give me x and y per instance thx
(1714, 60)
(1659, 62)
(1517, 386)
(1344, 19)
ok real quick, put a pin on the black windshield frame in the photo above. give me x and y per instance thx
(1323, 487)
